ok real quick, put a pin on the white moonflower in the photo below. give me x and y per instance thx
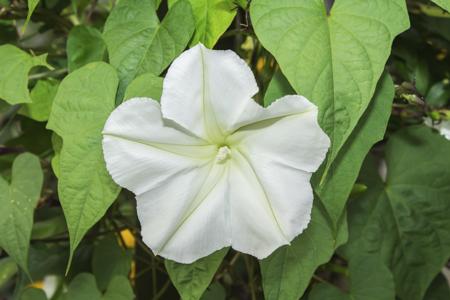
(209, 166)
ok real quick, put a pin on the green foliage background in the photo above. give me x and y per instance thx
(380, 225)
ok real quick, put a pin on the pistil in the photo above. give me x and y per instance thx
(223, 154)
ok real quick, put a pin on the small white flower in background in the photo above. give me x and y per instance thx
(443, 127)
(50, 285)
(209, 166)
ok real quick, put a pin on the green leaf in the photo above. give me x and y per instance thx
(370, 279)
(215, 292)
(84, 45)
(48, 222)
(445, 4)
(338, 184)
(138, 43)
(8, 268)
(191, 280)
(84, 101)
(286, 272)
(278, 87)
(343, 172)
(157, 3)
(110, 260)
(439, 289)
(326, 291)
(212, 19)
(57, 146)
(32, 4)
(145, 85)
(83, 287)
(14, 75)
(438, 94)
(47, 258)
(119, 289)
(242, 3)
(412, 64)
(18, 201)
(405, 219)
(42, 95)
(27, 138)
(422, 75)
(334, 60)
(8, 31)
(33, 294)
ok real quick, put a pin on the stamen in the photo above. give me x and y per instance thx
(223, 154)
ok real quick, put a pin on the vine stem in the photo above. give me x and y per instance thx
(162, 290)
(118, 232)
(10, 113)
(53, 73)
(320, 279)
(249, 267)
(235, 258)
(66, 238)
(154, 278)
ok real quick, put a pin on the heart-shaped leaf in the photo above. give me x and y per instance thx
(42, 95)
(370, 279)
(138, 43)
(18, 200)
(84, 45)
(191, 280)
(287, 272)
(84, 101)
(336, 188)
(405, 218)
(334, 59)
(14, 75)
(212, 18)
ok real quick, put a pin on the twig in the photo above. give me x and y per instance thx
(9, 118)
(9, 114)
(66, 238)
(249, 267)
(144, 247)
(235, 258)
(162, 290)
(118, 232)
(320, 279)
(142, 272)
(53, 73)
(91, 10)
(154, 278)
(10, 150)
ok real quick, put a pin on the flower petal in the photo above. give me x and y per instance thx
(141, 152)
(270, 203)
(180, 191)
(274, 152)
(205, 89)
(286, 132)
(192, 221)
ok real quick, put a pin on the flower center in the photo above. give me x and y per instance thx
(223, 154)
